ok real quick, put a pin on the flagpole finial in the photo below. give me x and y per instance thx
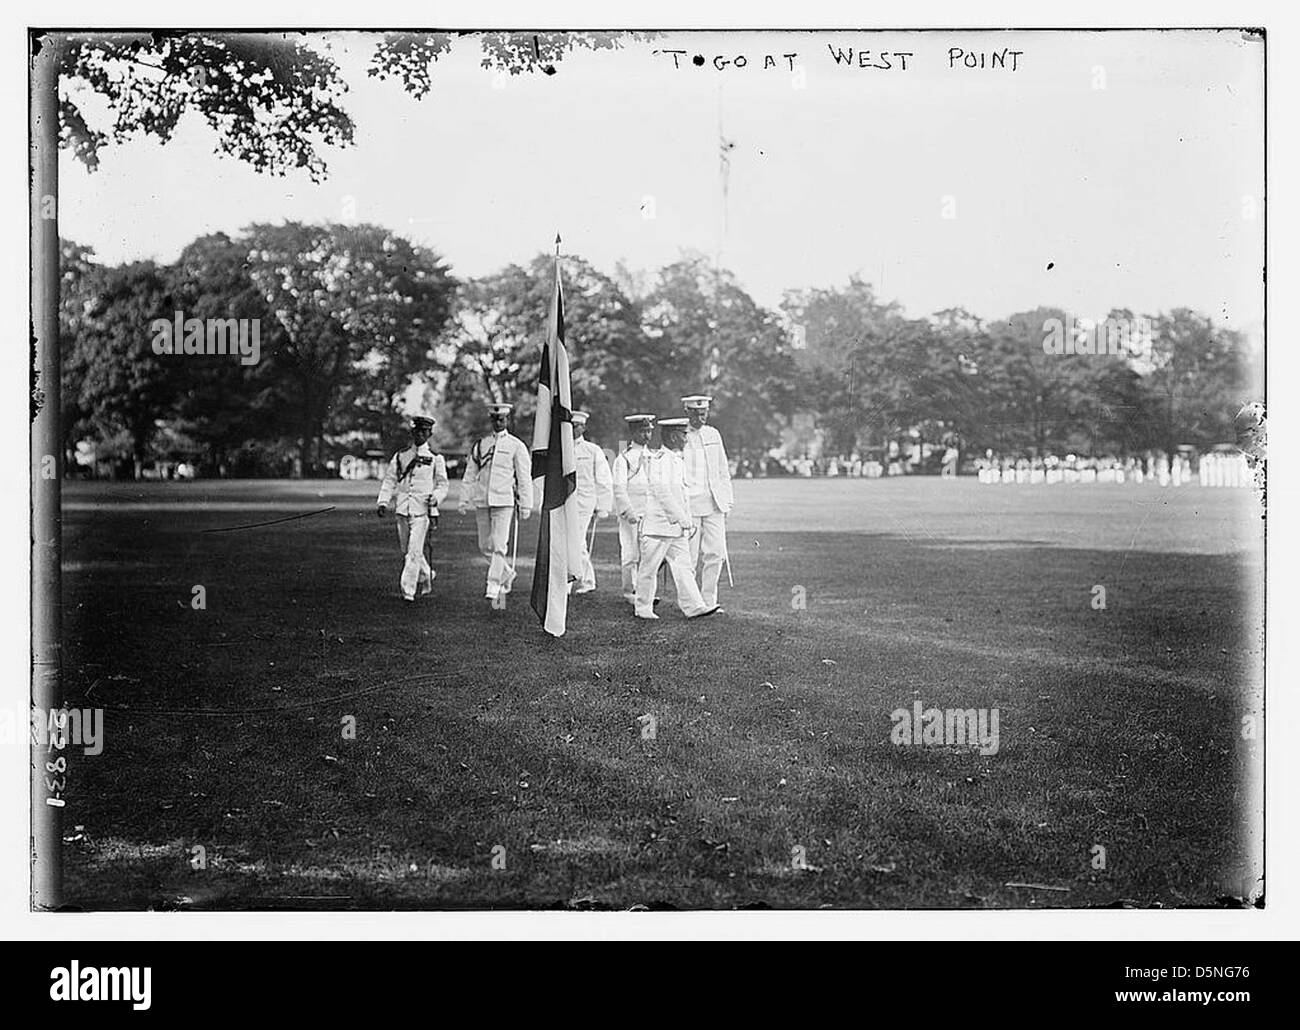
(557, 244)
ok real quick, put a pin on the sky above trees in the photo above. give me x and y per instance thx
(941, 186)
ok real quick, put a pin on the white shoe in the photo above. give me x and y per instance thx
(652, 615)
(493, 592)
(583, 590)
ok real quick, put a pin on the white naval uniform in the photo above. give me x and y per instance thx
(415, 483)
(594, 492)
(708, 481)
(663, 536)
(629, 504)
(498, 476)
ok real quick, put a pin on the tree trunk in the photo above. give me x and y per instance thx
(304, 451)
(139, 451)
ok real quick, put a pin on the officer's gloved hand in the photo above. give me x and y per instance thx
(381, 511)
(525, 514)
(464, 507)
(602, 514)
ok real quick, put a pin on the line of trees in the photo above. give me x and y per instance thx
(356, 320)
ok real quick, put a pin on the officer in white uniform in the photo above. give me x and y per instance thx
(498, 482)
(708, 481)
(630, 497)
(666, 526)
(594, 493)
(415, 483)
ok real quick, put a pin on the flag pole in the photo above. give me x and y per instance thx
(559, 539)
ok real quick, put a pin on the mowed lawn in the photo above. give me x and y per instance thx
(740, 761)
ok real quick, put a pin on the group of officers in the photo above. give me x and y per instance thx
(671, 501)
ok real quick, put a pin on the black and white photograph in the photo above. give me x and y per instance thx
(647, 470)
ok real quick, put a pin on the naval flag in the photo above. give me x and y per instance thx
(559, 539)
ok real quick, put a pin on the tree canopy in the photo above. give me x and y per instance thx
(272, 99)
(360, 326)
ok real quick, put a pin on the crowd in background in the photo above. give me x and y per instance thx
(1217, 468)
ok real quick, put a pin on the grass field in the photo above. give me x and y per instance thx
(493, 766)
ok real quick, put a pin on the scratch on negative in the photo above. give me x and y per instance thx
(1133, 539)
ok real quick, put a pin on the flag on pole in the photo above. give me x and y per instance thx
(559, 539)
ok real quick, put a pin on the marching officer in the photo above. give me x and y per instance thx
(594, 493)
(414, 484)
(666, 527)
(708, 479)
(630, 497)
(498, 484)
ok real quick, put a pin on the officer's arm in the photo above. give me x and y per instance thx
(622, 502)
(724, 477)
(468, 481)
(604, 482)
(389, 485)
(677, 503)
(441, 484)
(524, 479)
(660, 488)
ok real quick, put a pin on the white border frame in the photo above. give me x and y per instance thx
(1277, 921)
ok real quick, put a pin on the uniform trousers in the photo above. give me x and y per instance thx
(412, 530)
(709, 542)
(493, 541)
(629, 554)
(586, 572)
(655, 550)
